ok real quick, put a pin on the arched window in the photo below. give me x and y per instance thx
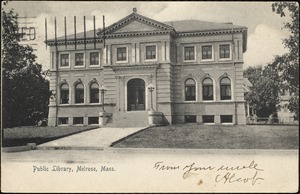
(94, 93)
(208, 89)
(79, 93)
(190, 91)
(64, 94)
(225, 86)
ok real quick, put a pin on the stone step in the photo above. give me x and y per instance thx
(129, 119)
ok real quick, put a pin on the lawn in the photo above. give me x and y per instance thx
(195, 136)
(18, 136)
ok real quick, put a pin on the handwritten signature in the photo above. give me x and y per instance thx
(225, 174)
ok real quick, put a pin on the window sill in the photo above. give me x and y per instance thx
(78, 67)
(208, 101)
(95, 66)
(225, 59)
(207, 60)
(150, 60)
(64, 67)
(189, 61)
(226, 123)
(121, 62)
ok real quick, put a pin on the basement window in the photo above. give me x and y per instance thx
(190, 118)
(63, 120)
(208, 119)
(226, 119)
(77, 120)
(93, 120)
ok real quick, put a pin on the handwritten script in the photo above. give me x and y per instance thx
(250, 173)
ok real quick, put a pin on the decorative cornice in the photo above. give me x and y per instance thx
(147, 33)
(137, 66)
(212, 32)
(72, 41)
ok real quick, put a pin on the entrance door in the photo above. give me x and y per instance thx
(136, 95)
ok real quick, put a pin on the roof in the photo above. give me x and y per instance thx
(179, 26)
(246, 84)
(198, 25)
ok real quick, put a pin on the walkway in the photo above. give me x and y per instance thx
(97, 138)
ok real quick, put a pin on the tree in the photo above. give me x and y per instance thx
(288, 64)
(25, 91)
(263, 95)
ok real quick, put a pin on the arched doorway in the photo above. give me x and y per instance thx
(135, 95)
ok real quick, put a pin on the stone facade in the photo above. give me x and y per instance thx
(138, 52)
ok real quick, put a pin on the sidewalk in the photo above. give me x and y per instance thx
(97, 138)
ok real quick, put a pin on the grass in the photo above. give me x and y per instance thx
(19, 136)
(195, 136)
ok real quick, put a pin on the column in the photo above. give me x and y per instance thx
(104, 56)
(167, 47)
(133, 53)
(137, 53)
(108, 47)
(163, 51)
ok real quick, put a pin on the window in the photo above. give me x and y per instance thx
(151, 52)
(93, 120)
(122, 54)
(64, 60)
(206, 52)
(94, 93)
(207, 89)
(226, 118)
(189, 53)
(225, 88)
(77, 120)
(64, 94)
(190, 91)
(79, 58)
(63, 120)
(190, 118)
(79, 93)
(94, 58)
(208, 119)
(225, 51)
(28, 33)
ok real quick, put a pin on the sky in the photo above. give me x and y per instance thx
(265, 33)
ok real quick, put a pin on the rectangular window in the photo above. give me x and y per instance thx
(190, 118)
(226, 118)
(208, 119)
(63, 120)
(93, 120)
(225, 51)
(28, 33)
(189, 53)
(77, 120)
(122, 54)
(151, 52)
(206, 52)
(94, 58)
(64, 60)
(32, 33)
(79, 59)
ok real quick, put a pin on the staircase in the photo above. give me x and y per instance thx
(128, 119)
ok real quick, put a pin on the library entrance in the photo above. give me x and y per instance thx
(135, 95)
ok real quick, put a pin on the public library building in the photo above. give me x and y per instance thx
(188, 71)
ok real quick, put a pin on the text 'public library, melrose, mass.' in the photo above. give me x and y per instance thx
(195, 68)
